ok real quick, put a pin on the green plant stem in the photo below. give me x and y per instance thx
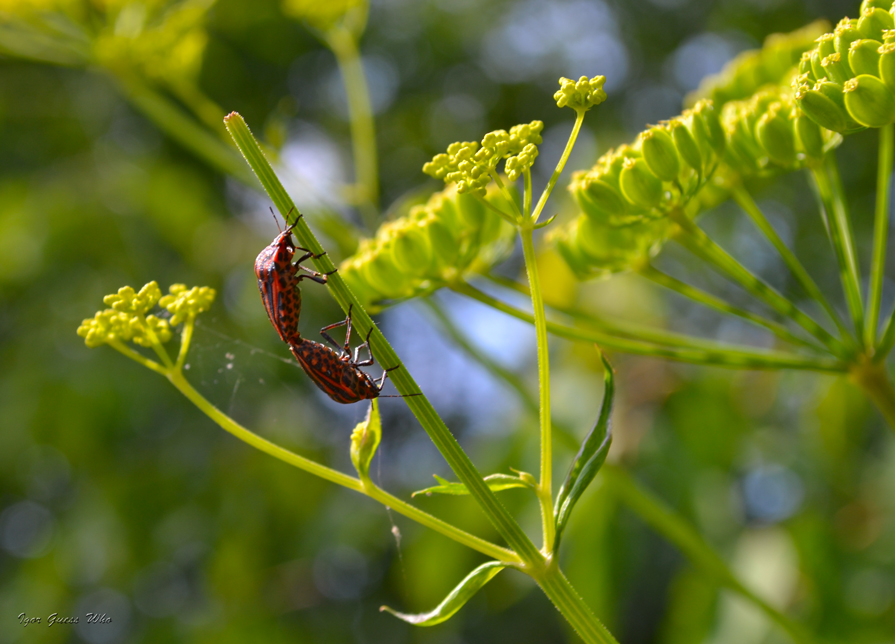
(441, 436)
(697, 295)
(696, 241)
(343, 44)
(542, 201)
(545, 486)
(172, 120)
(886, 341)
(880, 230)
(873, 377)
(572, 606)
(718, 354)
(829, 189)
(747, 203)
(679, 532)
(526, 197)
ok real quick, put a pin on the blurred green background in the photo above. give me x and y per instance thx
(118, 497)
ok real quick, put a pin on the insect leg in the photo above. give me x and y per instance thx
(346, 349)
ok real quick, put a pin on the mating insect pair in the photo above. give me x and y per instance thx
(337, 374)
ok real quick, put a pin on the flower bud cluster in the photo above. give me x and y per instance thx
(768, 133)
(469, 164)
(624, 198)
(664, 166)
(433, 244)
(751, 70)
(127, 321)
(183, 303)
(582, 94)
(847, 81)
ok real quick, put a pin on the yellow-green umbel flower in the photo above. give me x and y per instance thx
(582, 94)
(462, 166)
(184, 303)
(111, 325)
(129, 301)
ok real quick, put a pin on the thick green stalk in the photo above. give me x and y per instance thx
(545, 486)
(360, 114)
(880, 230)
(696, 241)
(747, 203)
(679, 532)
(829, 188)
(708, 353)
(441, 436)
(542, 201)
(718, 304)
(572, 606)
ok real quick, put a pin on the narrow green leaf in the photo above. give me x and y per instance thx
(496, 482)
(589, 460)
(364, 441)
(457, 598)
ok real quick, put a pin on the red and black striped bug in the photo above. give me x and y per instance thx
(338, 374)
(279, 278)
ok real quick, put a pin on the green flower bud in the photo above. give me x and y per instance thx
(774, 132)
(597, 198)
(471, 210)
(184, 303)
(365, 440)
(524, 135)
(445, 246)
(660, 153)
(874, 4)
(129, 301)
(639, 185)
(411, 250)
(619, 248)
(874, 21)
(581, 95)
(686, 145)
(845, 34)
(821, 108)
(351, 271)
(382, 274)
(817, 69)
(154, 330)
(835, 69)
(805, 67)
(869, 101)
(863, 57)
(887, 65)
(826, 45)
(706, 112)
(810, 137)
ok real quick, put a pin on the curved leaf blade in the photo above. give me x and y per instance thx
(590, 457)
(455, 600)
(497, 483)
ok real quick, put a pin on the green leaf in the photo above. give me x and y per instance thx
(457, 598)
(589, 460)
(364, 441)
(496, 482)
